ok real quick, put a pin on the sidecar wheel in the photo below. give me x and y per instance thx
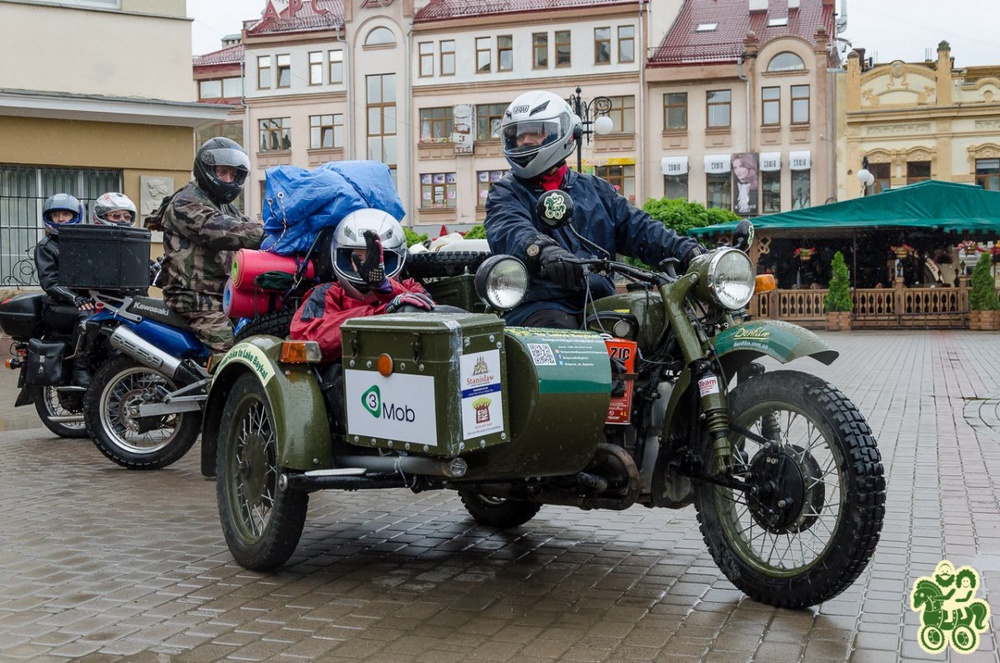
(261, 522)
(49, 403)
(111, 411)
(496, 511)
(810, 521)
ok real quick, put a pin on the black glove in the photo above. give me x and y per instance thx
(415, 299)
(696, 250)
(554, 265)
(372, 269)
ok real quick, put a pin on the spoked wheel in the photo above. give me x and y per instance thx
(61, 412)
(497, 511)
(262, 523)
(809, 516)
(111, 408)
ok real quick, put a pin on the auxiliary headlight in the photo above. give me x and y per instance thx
(730, 279)
(501, 282)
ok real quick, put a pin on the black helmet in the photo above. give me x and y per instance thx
(221, 152)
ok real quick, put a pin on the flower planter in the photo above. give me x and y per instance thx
(984, 320)
(838, 321)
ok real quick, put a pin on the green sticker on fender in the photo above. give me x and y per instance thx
(765, 337)
(253, 357)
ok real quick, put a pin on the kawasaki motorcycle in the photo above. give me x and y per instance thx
(658, 402)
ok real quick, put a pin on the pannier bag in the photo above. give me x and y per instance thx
(44, 363)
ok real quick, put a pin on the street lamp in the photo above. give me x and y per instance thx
(865, 176)
(594, 119)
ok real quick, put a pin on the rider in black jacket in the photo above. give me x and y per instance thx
(539, 132)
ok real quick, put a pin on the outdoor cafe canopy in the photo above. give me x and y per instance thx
(930, 205)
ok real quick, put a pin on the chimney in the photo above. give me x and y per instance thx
(758, 6)
(793, 5)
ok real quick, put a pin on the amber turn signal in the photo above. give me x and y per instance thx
(300, 352)
(765, 283)
(384, 365)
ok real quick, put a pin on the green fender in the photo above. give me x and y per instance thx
(294, 395)
(783, 341)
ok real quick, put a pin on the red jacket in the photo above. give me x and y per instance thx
(327, 306)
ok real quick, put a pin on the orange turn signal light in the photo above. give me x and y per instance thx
(300, 352)
(765, 283)
(384, 365)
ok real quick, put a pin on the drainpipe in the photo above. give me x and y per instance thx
(349, 112)
(741, 76)
(643, 119)
(411, 168)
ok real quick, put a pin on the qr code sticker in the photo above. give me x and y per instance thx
(541, 354)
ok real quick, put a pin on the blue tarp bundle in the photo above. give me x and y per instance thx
(311, 200)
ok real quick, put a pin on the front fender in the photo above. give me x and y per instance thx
(783, 341)
(293, 392)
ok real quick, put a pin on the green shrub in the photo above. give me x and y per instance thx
(681, 215)
(476, 232)
(838, 297)
(983, 295)
(413, 238)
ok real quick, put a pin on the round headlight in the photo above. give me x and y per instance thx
(731, 278)
(501, 282)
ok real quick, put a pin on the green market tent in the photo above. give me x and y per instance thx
(930, 205)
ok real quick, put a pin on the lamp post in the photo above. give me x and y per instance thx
(593, 118)
(865, 176)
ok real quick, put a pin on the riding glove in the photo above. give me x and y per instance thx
(415, 299)
(554, 265)
(696, 250)
(372, 268)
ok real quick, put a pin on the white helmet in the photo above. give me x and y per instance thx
(539, 112)
(350, 236)
(113, 202)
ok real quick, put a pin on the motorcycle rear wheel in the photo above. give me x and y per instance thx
(496, 511)
(812, 522)
(111, 409)
(261, 522)
(49, 404)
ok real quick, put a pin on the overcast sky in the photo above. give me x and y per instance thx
(887, 29)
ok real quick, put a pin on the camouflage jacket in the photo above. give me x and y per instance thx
(199, 240)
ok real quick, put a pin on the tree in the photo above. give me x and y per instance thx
(838, 297)
(983, 295)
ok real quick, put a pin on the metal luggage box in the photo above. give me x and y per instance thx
(426, 383)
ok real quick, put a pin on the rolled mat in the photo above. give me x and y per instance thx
(248, 304)
(249, 264)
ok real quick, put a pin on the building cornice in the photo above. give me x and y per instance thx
(93, 108)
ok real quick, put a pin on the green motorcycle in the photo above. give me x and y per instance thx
(659, 401)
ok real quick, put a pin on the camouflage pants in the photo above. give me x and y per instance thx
(212, 327)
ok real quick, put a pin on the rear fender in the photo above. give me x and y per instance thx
(741, 344)
(293, 392)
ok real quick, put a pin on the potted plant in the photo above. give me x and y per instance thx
(984, 307)
(838, 304)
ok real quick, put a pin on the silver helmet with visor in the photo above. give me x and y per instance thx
(539, 131)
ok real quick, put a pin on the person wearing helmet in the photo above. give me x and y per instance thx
(62, 209)
(369, 253)
(202, 229)
(113, 209)
(539, 132)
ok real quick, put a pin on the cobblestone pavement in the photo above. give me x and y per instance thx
(102, 564)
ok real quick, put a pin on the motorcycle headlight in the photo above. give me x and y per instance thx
(501, 282)
(730, 279)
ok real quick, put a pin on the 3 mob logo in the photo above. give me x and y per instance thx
(372, 401)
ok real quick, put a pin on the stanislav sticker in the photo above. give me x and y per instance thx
(482, 395)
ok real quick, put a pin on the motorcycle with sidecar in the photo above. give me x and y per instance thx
(658, 401)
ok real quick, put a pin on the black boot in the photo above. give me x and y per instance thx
(81, 373)
(81, 361)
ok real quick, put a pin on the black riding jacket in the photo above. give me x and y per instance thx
(47, 264)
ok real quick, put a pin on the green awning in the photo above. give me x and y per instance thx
(931, 205)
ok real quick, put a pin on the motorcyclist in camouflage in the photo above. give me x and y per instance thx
(201, 232)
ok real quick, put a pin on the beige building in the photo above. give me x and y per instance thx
(918, 121)
(107, 103)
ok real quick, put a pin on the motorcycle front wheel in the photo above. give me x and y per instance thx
(111, 409)
(261, 522)
(810, 513)
(53, 407)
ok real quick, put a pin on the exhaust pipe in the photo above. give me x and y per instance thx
(143, 351)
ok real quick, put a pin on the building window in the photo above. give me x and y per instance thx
(800, 189)
(622, 114)
(988, 174)
(275, 134)
(800, 104)
(786, 61)
(380, 36)
(505, 53)
(675, 111)
(426, 58)
(483, 55)
(917, 171)
(316, 68)
(284, 70)
(448, 57)
(326, 131)
(484, 180)
(719, 191)
(381, 129)
(770, 191)
(488, 119)
(719, 108)
(436, 124)
(626, 43)
(770, 106)
(336, 66)
(675, 187)
(437, 190)
(622, 178)
(563, 55)
(210, 89)
(880, 171)
(263, 72)
(602, 45)
(540, 50)
(225, 88)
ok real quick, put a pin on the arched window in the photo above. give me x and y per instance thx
(381, 36)
(786, 61)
